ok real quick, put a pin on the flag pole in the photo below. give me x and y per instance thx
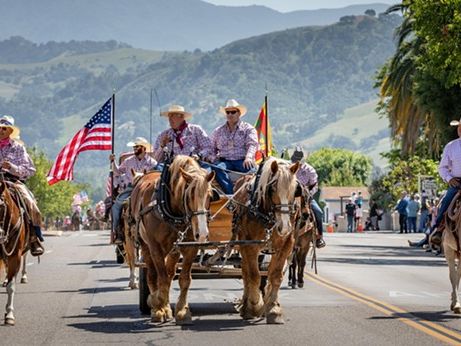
(112, 122)
(267, 124)
(150, 112)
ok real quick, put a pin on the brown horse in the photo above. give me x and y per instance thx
(304, 234)
(269, 215)
(452, 247)
(189, 192)
(13, 230)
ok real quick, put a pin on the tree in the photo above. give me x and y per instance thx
(52, 200)
(341, 167)
(370, 12)
(402, 176)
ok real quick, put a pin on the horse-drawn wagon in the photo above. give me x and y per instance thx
(185, 233)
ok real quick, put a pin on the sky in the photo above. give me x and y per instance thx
(293, 5)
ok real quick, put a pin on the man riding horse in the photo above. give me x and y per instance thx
(17, 167)
(450, 171)
(139, 162)
(307, 177)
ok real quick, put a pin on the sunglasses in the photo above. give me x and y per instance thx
(231, 112)
(3, 128)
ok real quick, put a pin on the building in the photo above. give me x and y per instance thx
(336, 198)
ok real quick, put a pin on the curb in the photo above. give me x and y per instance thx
(52, 233)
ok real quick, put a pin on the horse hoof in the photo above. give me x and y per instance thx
(184, 322)
(300, 284)
(293, 286)
(24, 280)
(9, 321)
(457, 309)
(274, 319)
(4, 283)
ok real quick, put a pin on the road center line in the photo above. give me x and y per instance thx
(437, 331)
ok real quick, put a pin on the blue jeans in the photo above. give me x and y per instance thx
(423, 220)
(350, 223)
(318, 213)
(222, 177)
(451, 192)
(118, 204)
(411, 223)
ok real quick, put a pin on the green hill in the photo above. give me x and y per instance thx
(313, 75)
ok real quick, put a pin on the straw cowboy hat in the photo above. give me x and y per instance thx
(8, 121)
(455, 122)
(233, 104)
(177, 109)
(140, 141)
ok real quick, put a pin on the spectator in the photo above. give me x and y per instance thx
(424, 212)
(359, 200)
(350, 212)
(358, 215)
(413, 208)
(374, 215)
(402, 209)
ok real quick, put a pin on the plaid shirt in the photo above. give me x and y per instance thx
(308, 176)
(123, 173)
(21, 164)
(195, 139)
(240, 144)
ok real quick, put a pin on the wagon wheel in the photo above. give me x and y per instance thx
(143, 291)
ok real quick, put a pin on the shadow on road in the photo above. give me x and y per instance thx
(432, 316)
(96, 264)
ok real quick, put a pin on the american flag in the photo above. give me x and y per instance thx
(95, 135)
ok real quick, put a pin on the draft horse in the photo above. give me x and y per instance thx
(268, 212)
(170, 209)
(13, 239)
(451, 241)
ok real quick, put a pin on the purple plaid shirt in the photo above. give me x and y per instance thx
(21, 164)
(308, 176)
(195, 139)
(123, 172)
(240, 144)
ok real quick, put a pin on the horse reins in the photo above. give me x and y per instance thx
(16, 228)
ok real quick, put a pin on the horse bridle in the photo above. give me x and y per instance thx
(190, 213)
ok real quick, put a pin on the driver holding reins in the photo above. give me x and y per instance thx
(17, 165)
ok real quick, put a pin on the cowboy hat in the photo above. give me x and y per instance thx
(8, 121)
(177, 109)
(455, 122)
(233, 104)
(140, 141)
(298, 155)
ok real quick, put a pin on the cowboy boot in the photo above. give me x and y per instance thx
(320, 243)
(436, 236)
(118, 235)
(36, 248)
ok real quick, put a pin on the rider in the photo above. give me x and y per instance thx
(450, 171)
(234, 143)
(139, 162)
(182, 138)
(18, 167)
(307, 176)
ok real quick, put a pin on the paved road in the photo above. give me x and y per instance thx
(372, 289)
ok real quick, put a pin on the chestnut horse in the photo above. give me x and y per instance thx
(188, 192)
(304, 234)
(268, 213)
(13, 229)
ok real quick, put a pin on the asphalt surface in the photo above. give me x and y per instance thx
(371, 289)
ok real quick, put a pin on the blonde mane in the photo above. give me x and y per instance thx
(284, 178)
(178, 183)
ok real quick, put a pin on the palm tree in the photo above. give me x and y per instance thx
(408, 120)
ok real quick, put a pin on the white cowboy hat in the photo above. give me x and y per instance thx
(177, 109)
(8, 121)
(140, 141)
(455, 122)
(233, 104)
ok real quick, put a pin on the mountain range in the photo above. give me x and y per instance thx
(319, 83)
(155, 24)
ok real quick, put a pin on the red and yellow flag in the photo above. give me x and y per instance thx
(264, 131)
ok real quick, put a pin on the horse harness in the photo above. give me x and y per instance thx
(161, 207)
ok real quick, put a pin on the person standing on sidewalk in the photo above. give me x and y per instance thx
(424, 213)
(350, 213)
(413, 208)
(402, 209)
